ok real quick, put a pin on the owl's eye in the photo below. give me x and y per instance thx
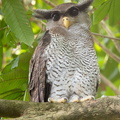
(73, 11)
(55, 16)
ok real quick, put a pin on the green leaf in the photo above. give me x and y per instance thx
(15, 79)
(101, 12)
(15, 94)
(1, 53)
(15, 63)
(97, 3)
(2, 30)
(8, 67)
(110, 70)
(114, 13)
(15, 16)
(9, 39)
(24, 59)
(3, 26)
(16, 75)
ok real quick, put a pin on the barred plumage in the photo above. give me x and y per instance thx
(66, 60)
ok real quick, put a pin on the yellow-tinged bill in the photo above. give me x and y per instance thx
(67, 22)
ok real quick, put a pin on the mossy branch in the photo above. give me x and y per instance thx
(107, 108)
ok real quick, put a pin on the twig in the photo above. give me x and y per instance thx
(49, 3)
(109, 32)
(104, 36)
(3, 28)
(43, 22)
(112, 55)
(110, 84)
(40, 23)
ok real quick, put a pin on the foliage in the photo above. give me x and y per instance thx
(17, 46)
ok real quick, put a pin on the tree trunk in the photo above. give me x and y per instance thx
(107, 108)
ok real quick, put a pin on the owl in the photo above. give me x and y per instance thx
(64, 65)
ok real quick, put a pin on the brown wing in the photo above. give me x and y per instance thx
(38, 88)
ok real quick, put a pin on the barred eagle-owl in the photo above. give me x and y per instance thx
(64, 65)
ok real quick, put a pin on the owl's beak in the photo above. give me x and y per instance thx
(67, 22)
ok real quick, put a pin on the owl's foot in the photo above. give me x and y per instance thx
(87, 98)
(74, 98)
(61, 100)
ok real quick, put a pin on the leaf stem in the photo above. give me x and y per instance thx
(104, 36)
(3, 28)
(107, 51)
(110, 84)
(49, 3)
(109, 32)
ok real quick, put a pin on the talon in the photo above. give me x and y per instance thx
(75, 100)
(87, 98)
(62, 100)
(50, 100)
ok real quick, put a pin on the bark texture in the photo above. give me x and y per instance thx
(107, 108)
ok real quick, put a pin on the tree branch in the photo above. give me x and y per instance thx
(109, 32)
(104, 36)
(3, 28)
(49, 3)
(110, 84)
(107, 108)
(12, 108)
(112, 55)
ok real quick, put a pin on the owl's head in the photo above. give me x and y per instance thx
(65, 15)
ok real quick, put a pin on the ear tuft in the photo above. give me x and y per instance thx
(42, 14)
(84, 5)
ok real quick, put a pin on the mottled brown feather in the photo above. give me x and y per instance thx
(37, 71)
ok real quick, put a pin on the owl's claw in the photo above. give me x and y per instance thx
(74, 98)
(62, 100)
(87, 98)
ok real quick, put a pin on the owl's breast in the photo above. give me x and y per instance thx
(69, 59)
